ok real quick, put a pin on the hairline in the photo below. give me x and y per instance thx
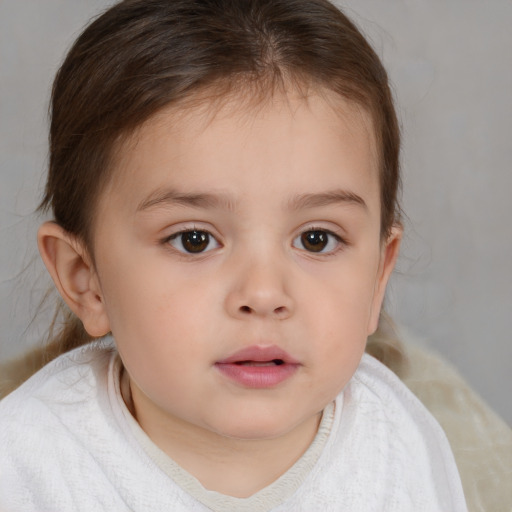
(254, 93)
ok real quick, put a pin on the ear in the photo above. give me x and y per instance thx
(70, 266)
(388, 257)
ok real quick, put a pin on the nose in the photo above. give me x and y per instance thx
(260, 290)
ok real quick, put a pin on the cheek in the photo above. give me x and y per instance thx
(344, 291)
(160, 332)
(160, 312)
(340, 312)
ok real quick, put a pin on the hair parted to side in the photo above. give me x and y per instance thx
(143, 55)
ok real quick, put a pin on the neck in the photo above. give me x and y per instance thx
(234, 467)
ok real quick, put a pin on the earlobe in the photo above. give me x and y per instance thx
(388, 258)
(68, 263)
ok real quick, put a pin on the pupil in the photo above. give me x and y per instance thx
(195, 241)
(314, 241)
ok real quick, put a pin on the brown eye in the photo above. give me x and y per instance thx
(314, 241)
(193, 241)
(317, 240)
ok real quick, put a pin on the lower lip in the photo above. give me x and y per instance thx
(259, 377)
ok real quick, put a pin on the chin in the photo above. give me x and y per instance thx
(252, 431)
(258, 427)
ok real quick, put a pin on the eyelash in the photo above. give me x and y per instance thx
(178, 236)
(338, 240)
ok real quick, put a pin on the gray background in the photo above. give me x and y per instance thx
(450, 63)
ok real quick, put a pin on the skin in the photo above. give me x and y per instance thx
(175, 314)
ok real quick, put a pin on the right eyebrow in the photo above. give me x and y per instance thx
(327, 198)
(171, 197)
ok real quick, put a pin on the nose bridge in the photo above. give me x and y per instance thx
(260, 283)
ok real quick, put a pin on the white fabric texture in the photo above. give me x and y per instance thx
(68, 443)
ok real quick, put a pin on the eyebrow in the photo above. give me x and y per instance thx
(223, 201)
(304, 201)
(195, 200)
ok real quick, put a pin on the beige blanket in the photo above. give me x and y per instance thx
(481, 441)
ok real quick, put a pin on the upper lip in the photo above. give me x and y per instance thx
(259, 354)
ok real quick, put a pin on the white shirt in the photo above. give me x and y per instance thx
(69, 443)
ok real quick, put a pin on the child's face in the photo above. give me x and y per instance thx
(258, 229)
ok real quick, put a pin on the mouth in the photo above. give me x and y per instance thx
(256, 354)
(258, 367)
(274, 362)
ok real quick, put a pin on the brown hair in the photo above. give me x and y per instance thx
(143, 55)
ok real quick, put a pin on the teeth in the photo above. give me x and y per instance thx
(275, 362)
(257, 363)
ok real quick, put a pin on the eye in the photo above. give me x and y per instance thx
(317, 240)
(193, 241)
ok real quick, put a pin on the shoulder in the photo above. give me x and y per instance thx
(381, 386)
(45, 426)
(70, 374)
(376, 392)
(391, 441)
(484, 452)
(53, 392)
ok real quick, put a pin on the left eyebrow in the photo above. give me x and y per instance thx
(325, 199)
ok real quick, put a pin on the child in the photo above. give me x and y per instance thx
(223, 178)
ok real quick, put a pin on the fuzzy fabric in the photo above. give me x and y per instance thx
(480, 440)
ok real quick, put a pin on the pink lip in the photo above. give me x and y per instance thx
(258, 366)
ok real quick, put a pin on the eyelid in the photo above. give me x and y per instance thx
(328, 227)
(341, 240)
(187, 229)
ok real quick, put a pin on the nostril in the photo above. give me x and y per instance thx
(280, 312)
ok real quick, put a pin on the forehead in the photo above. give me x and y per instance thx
(243, 139)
